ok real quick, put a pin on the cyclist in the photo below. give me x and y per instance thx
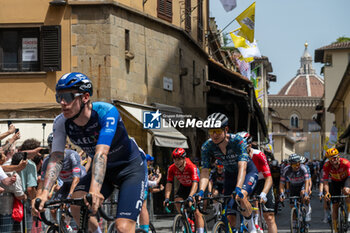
(216, 179)
(187, 174)
(338, 171)
(240, 172)
(98, 129)
(264, 185)
(298, 176)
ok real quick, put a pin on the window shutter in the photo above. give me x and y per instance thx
(200, 21)
(50, 37)
(165, 10)
(188, 15)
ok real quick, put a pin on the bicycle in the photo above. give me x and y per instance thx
(297, 216)
(342, 224)
(261, 208)
(184, 222)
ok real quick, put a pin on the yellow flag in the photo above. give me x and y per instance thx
(247, 21)
(238, 41)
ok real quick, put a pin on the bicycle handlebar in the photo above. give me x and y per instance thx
(182, 202)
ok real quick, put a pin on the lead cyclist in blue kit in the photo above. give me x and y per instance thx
(241, 174)
(99, 130)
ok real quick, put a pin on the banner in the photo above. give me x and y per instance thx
(247, 21)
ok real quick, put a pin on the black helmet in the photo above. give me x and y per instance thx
(274, 163)
(218, 117)
(294, 158)
(50, 138)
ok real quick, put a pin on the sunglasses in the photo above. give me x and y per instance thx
(334, 158)
(216, 131)
(295, 164)
(68, 97)
(220, 166)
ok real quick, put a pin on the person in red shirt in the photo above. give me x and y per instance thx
(338, 170)
(187, 174)
(263, 188)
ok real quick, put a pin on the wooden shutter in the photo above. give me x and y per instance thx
(200, 21)
(188, 15)
(50, 38)
(165, 10)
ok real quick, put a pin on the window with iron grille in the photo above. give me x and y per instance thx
(188, 15)
(30, 49)
(165, 10)
(200, 21)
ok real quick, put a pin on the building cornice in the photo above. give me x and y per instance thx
(290, 101)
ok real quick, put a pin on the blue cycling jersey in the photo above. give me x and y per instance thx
(105, 126)
(236, 150)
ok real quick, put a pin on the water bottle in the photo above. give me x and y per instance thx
(69, 229)
(193, 228)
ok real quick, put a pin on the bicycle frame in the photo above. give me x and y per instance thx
(300, 215)
(342, 213)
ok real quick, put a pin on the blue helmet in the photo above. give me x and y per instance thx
(76, 81)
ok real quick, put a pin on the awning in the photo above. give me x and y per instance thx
(165, 137)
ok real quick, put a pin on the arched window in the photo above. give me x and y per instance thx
(294, 121)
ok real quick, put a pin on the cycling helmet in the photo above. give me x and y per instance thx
(76, 81)
(268, 148)
(179, 153)
(274, 163)
(50, 138)
(217, 116)
(246, 136)
(294, 158)
(303, 159)
(331, 152)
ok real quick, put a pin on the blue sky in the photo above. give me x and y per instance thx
(283, 26)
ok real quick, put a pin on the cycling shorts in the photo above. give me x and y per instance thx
(295, 191)
(219, 187)
(230, 182)
(270, 204)
(63, 192)
(132, 182)
(183, 192)
(335, 188)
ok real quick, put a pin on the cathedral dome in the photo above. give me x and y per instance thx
(306, 83)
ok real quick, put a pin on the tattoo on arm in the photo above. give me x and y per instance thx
(53, 169)
(99, 168)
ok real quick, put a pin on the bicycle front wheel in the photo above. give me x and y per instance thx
(111, 228)
(341, 219)
(219, 227)
(294, 226)
(180, 225)
(52, 229)
(151, 228)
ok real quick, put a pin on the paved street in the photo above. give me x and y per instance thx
(163, 224)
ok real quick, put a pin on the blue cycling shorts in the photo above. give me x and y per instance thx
(131, 178)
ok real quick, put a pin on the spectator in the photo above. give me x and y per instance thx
(6, 201)
(11, 130)
(4, 179)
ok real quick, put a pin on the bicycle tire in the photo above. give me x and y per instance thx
(219, 227)
(111, 228)
(341, 219)
(52, 229)
(292, 213)
(303, 223)
(180, 225)
(152, 228)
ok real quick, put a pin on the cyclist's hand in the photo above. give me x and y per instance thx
(166, 202)
(199, 195)
(320, 195)
(346, 191)
(327, 197)
(306, 197)
(209, 194)
(97, 199)
(190, 200)
(282, 197)
(43, 199)
(239, 194)
(35, 212)
(263, 198)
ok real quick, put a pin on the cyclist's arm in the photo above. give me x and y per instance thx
(194, 188)
(53, 169)
(326, 186)
(73, 185)
(168, 188)
(242, 168)
(282, 185)
(268, 184)
(204, 179)
(99, 168)
(210, 186)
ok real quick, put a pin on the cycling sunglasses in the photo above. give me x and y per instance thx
(216, 131)
(68, 97)
(334, 158)
(295, 164)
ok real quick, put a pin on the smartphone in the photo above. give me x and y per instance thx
(16, 130)
(9, 123)
(44, 151)
(25, 155)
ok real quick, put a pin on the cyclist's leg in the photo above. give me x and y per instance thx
(199, 221)
(247, 189)
(346, 191)
(144, 216)
(335, 190)
(229, 186)
(132, 182)
(269, 213)
(181, 194)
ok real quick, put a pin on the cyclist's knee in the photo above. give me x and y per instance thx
(124, 225)
(269, 217)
